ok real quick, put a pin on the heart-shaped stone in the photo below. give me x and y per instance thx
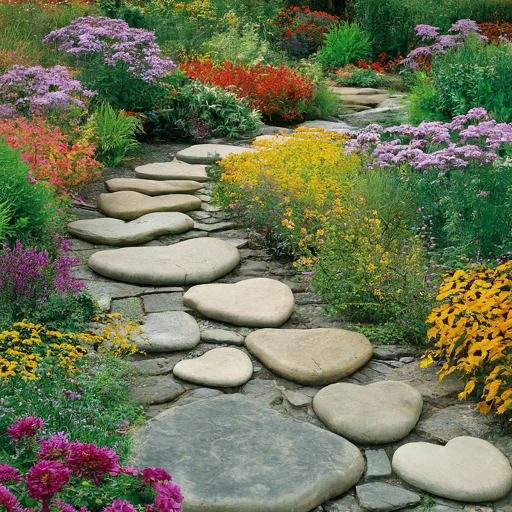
(466, 469)
(382, 412)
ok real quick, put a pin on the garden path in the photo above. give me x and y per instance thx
(245, 379)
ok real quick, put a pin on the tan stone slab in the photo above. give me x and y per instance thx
(363, 91)
(129, 205)
(153, 187)
(174, 170)
(310, 356)
(208, 154)
(372, 100)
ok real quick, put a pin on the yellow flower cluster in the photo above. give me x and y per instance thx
(30, 350)
(473, 333)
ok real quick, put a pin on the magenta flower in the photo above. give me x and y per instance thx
(26, 427)
(155, 475)
(120, 506)
(129, 471)
(64, 507)
(92, 462)
(168, 498)
(8, 500)
(9, 474)
(56, 448)
(45, 479)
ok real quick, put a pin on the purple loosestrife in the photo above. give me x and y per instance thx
(38, 90)
(113, 42)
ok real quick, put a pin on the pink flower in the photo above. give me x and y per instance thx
(153, 475)
(56, 448)
(120, 506)
(129, 471)
(26, 427)
(45, 479)
(92, 462)
(168, 498)
(9, 474)
(8, 500)
(64, 507)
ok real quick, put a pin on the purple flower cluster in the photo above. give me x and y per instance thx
(442, 43)
(114, 42)
(435, 145)
(37, 89)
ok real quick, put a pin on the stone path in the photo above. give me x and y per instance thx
(255, 419)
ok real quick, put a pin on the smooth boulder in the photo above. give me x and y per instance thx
(174, 170)
(131, 205)
(208, 154)
(251, 303)
(110, 231)
(200, 260)
(466, 469)
(310, 356)
(218, 368)
(153, 187)
(232, 453)
(378, 413)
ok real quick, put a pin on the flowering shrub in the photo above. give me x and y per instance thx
(58, 466)
(459, 170)
(496, 31)
(36, 90)
(279, 93)
(303, 30)
(471, 329)
(52, 159)
(379, 66)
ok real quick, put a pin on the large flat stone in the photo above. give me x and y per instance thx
(209, 153)
(169, 331)
(153, 187)
(174, 170)
(371, 100)
(251, 303)
(118, 232)
(220, 367)
(131, 205)
(310, 356)
(233, 454)
(466, 469)
(365, 91)
(382, 497)
(326, 125)
(200, 260)
(382, 412)
(156, 390)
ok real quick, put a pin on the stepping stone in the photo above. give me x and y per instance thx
(382, 412)
(234, 454)
(381, 497)
(250, 303)
(200, 260)
(466, 469)
(217, 368)
(310, 356)
(130, 205)
(208, 154)
(377, 465)
(169, 332)
(156, 390)
(118, 232)
(326, 125)
(174, 170)
(153, 187)
(222, 336)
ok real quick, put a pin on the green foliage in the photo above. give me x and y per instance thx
(27, 210)
(345, 44)
(358, 77)
(114, 134)
(198, 111)
(325, 103)
(424, 101)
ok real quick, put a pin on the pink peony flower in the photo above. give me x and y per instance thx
(168, 498)
(9, 474)
(45, 479)
(56, 448)
(92, 462)
(64, 507)
(8, 500)
(153, 475)
(120, 506)
(26, 427)
(129, 471)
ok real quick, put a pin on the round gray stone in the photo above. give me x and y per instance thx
(218, 368)
(118, 232)
(131, 205)
(209, 153)
(257, 302)
(379, 413)
(200, 260)
(153, 187)
(466, 469)
(233, 454)
(310, 356)
(174, 170)
(169, 332)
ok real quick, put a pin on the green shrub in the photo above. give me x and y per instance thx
(358, 77)
(423, 101)
(345, 44)
(114, 134)
(325, 103)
